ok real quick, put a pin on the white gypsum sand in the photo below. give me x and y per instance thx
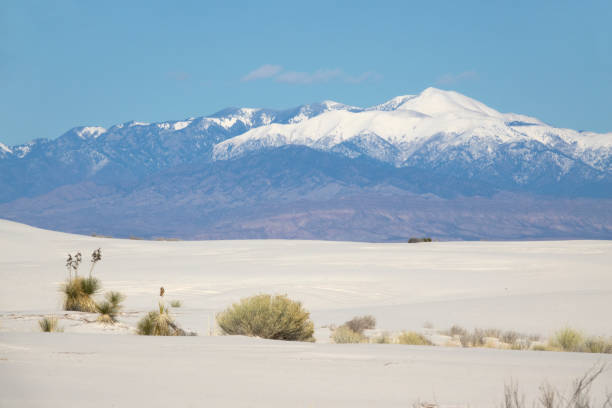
(533, 287)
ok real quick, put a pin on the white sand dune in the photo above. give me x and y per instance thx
(534, 287)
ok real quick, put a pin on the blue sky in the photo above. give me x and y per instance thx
(72, 63)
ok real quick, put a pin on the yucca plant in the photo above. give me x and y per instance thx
(110, 307)
(78, 291)
(159, 323)
(78, 294)
(49, 325)
(269, 317)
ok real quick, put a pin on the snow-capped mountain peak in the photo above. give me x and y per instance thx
(403, 129)
(4, 149)
(89, 132)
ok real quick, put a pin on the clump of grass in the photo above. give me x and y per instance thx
(413, 338)
(176, 303)
(361, 323)
(110, 307)
(344, 335)
(598, 345)
(78, 294)
(49, 325)
(567, 339)
(159, 323)
(269, 317)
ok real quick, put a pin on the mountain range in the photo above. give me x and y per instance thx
(436, 164)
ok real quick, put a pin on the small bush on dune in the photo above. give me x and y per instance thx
(159, 323)
(110, 307)
(359, 324)
(344, 335)
(567, 339)
(176, 303)
(413, 338)
(269, 317)
(49, 325)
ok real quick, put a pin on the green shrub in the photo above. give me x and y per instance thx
(414, 338)
(78, 294)
(567, 339)
(49, 325)
(344, 334)
(110, 307)
(176, 303)
(159, 323)
(269, 317)
(359, 324)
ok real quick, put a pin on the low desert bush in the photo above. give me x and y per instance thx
(361, 323)
(176, 303)
(49, 325)
(269, 317)
(159, 323)
(567, 339)
(413, 338)
(110, 307)
(344, 334)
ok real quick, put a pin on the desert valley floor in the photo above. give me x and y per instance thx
(533, 287)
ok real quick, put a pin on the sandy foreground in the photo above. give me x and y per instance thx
(533, 287)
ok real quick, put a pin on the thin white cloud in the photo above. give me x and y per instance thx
(322, 75)
(318, 76)
(265, 71)
(448, 79)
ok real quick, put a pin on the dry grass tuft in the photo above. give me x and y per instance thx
(344, 335)
(176, 303)
(413, 338)
(269, 317)
(159, 323)
(49, 325)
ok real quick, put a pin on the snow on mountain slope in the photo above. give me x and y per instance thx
(4, 149)
(406, 124)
